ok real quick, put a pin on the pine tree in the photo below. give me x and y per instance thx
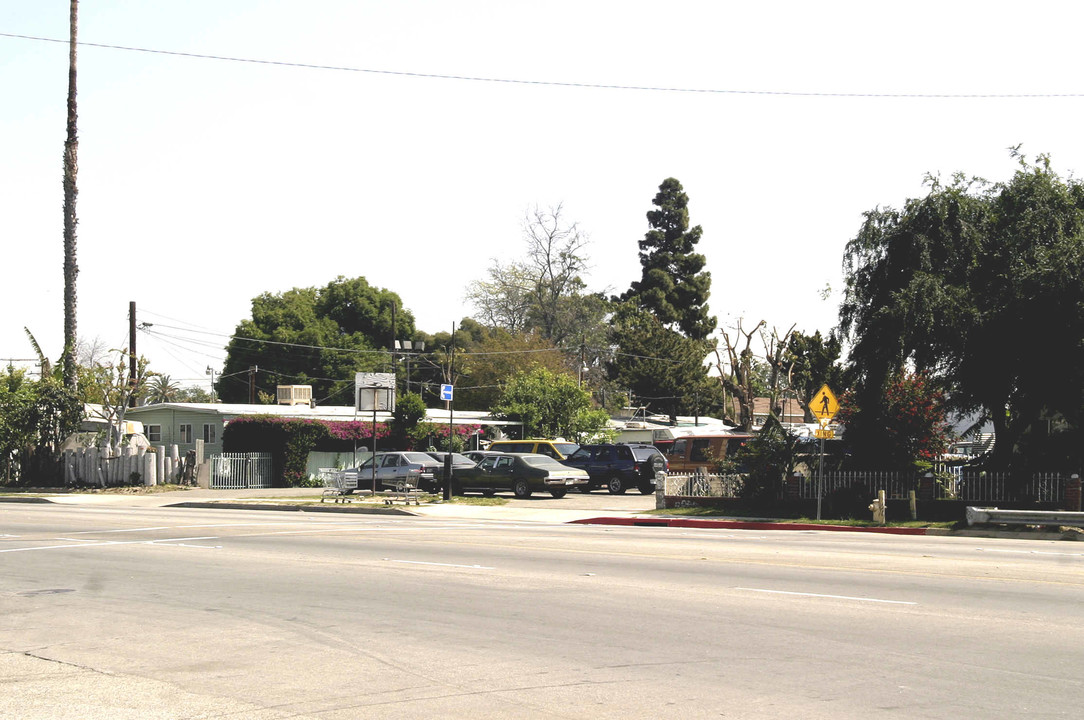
(674, 286)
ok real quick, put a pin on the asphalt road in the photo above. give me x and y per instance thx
(110, 612)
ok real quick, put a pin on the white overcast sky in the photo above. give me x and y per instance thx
(204, 182)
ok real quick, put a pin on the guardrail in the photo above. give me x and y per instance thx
(994, 516)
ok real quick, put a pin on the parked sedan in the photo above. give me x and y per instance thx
(521, 473)
(459, 461)
(479, 455)
(401, 471)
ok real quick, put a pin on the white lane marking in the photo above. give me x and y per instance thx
(123, 530)
(1029, 552)
(419, 562)
(832, 597)
(111, 543)
(713, 534)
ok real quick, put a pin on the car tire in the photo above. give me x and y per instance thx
(646, 488)
(658, 463)
(400, 486)
(616, 485)
(521, 489)
(558, 493)
(489, 493)
(586, 488)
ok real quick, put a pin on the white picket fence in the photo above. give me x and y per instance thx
(238, 471)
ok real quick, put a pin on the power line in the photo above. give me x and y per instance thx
(555, 83)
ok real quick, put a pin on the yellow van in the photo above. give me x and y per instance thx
(557, 449)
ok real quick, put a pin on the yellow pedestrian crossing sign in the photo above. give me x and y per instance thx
(824, 405)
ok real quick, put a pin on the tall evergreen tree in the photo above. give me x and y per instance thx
(674, 286)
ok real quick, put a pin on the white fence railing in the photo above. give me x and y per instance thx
(237, 471)
(967, 485)
(696, 485)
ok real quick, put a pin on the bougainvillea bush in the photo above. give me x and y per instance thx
(290, 440)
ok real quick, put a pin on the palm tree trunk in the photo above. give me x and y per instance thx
(71, 169)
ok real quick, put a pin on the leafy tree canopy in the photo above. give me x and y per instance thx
(661, 367)
(315, 336)
(977, 286)
(549, 405)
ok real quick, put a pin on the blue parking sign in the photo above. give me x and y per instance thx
(446, 393)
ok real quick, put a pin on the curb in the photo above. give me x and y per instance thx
(292, 508)
(750, 525)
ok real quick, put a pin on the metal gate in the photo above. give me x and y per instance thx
(236, 471)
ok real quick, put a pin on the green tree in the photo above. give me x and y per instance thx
(659, 365)
(813, 362)
(498, 355)
(314, 336)
(549, 405)
(673, 286)
(976, 287)
(407, 424)
(35, 417)
(162, 389)
(768, 458)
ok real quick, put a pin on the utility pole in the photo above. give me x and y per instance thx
(252, 370)
(131, 353)
(451, 427)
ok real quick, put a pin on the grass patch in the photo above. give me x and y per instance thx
(118, 490)
(739, 514)
(478, 500)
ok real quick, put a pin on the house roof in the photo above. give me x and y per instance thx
(229, 411)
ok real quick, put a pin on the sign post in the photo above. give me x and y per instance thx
(824, 407)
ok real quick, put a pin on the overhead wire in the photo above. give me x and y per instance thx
(557, 83)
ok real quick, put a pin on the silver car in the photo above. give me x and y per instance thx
(400, 471)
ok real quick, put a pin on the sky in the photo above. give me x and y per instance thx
(254, 146)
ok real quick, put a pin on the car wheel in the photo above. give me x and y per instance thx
(585, 488)
(646, 488)
(558, 493)
(521, 489)
(400, 486)
(489, 493)
(616, 485)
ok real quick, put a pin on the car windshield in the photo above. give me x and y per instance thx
(420, 458)
(583, 453)
(643, 453)
(566, 449)
(543, 461)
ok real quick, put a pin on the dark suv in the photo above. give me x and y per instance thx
(619, 467)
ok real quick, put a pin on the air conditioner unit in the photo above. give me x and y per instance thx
(294, 394)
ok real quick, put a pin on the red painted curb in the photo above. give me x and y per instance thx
(743, 525)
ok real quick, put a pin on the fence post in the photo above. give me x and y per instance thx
(926, 487)
(793, 487)
(1072, 493)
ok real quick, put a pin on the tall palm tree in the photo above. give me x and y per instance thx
(71, 168)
